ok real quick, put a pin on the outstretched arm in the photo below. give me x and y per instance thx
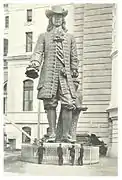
(37, 55)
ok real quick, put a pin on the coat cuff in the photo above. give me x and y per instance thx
(37, 63)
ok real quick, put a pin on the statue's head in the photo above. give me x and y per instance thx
(56, 17)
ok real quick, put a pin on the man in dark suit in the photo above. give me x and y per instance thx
(60, 154)
(40, 153)
(72, 154)
(80, 159)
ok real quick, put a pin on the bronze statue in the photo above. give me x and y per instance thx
(56, 52)
(75, 115)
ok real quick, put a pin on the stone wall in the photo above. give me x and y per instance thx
(93, 26)
(113, 105)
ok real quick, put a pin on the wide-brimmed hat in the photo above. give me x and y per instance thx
(56, 10)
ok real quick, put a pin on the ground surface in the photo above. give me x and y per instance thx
(14, 167)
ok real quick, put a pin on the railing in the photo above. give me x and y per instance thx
(29, 153)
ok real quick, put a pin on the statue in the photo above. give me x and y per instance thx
(56, 52)
(75, 116)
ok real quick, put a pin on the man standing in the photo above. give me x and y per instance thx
(57, 49)
(60, 155)
(80, 159)
(72, 154)
(40, 152)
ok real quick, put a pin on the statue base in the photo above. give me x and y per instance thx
(29, 153)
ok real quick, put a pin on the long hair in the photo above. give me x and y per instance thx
(50, 25)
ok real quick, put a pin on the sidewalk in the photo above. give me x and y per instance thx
(106, 167)
(10, 156)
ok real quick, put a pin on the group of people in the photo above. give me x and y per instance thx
(41, 150)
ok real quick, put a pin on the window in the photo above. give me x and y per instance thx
(26, 139)
(6, 21)
(5, 99)
(5, 5)
(28, 95)
(29, 15)
(29, 41)
(5, 47)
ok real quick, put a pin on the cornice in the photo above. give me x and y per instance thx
(19, 57)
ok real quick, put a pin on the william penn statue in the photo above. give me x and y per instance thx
(55, 51)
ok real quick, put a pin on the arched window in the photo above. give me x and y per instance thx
(28, 95)
(5, 99)
(26, 139)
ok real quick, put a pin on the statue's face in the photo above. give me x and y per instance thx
(57, 20)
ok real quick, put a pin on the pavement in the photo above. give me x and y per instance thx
(11, 156)
(14, 167)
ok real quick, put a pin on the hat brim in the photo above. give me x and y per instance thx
(50, 13)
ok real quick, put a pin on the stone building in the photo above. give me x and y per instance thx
(92, 26)
(113, 106)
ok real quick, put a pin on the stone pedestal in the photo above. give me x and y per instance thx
(29, 153)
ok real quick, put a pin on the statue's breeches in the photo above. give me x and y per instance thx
(66, 100)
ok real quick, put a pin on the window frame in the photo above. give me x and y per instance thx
(29, 16)
(29, 45)
(29, 100)
(5, 99)
(6, 22)
(5, 5)
(28, 130)
(5, 47)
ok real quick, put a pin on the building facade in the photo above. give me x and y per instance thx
(91, 25)
(113, 106)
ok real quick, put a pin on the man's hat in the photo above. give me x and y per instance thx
(56, 10)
